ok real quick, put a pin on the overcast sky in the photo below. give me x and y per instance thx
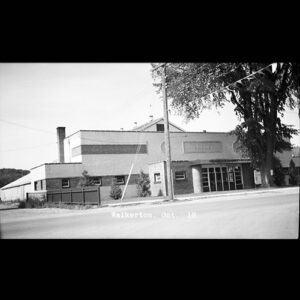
(35, 98)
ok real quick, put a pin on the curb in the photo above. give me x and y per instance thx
(192, 198)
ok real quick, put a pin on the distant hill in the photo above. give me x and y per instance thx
(10, 175)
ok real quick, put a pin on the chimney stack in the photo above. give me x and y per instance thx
(61, 134)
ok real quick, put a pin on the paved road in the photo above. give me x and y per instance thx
(270, 215)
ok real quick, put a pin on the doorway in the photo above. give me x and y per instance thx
(222, 178)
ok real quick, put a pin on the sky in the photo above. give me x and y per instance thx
(35, 98)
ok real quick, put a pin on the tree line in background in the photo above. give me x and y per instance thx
(260, 100)
(8, 175)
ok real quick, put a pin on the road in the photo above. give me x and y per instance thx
(272, 215)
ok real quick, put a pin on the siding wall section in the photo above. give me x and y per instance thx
(157, 188)
(120, 163)
(15, 193)
(183, 186)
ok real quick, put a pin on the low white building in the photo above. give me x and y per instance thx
(17, 189)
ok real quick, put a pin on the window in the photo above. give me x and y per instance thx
(157, 178)
(160, 127)
(65, 183)
(97, 180)
(120, 179)
(36, 185)
(180, 175)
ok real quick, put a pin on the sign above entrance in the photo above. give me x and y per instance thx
(202, 147)
(257, 177)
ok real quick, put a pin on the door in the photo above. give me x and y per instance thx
(212, 179)
(222, 178)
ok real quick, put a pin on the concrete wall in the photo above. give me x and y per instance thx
(71, 142)
(63, 170)
(157, 189)
(37, 173)
(56, 171)
(117, 164)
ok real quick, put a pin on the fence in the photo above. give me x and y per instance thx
(71, 196)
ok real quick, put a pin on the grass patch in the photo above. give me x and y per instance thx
(35, 203)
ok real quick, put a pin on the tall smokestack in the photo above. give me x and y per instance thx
(61, 134)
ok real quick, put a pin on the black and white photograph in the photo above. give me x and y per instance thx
(149, 150)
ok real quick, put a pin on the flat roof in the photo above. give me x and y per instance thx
(69, 163)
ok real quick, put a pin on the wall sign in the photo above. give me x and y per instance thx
(202, 147)
(257, 177)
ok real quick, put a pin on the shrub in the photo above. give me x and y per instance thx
(85, 180)
(34, 203)
(278, 177)
(143, 185)
(115, 190)
(21, 204)
(293, 173)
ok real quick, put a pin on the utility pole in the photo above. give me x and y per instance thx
(167, 136)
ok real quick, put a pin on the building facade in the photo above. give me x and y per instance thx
(201, 161)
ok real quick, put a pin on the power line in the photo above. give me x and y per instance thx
(27, 148)
(27, 127)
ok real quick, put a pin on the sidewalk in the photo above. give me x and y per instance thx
(190, 197)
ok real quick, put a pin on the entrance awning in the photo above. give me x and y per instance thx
(219, 161)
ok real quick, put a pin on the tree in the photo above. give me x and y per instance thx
(259, 101)
(115, 190)
(278, 175)
(85, 180)
(143, 185)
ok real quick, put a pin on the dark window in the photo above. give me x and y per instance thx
(97, 180)
(160, 127)
(180, 175)
(120, 179)
(65, 183)
(157, 178)
(35, 185)
(41, 184)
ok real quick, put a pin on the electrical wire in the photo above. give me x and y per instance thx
(27, 148)
(27, 127)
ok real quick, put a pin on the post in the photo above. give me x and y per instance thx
(127, 182)
(83, 197)
(71, 196)
(99, 198)
(167, 135)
